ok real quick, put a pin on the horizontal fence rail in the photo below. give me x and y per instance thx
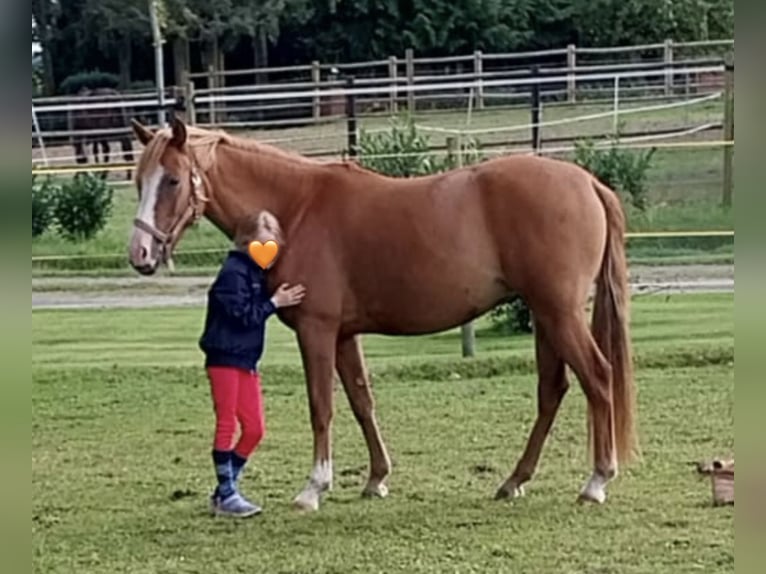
(444, 86)
(498, 149)
(223, 250)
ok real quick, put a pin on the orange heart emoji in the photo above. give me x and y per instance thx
(263, 253)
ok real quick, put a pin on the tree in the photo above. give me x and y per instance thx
(114, 35)
(44, 16)
(261, 21)
(115, 25)
(624, 22)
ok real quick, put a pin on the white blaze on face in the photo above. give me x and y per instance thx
(142, 252)
(150, 185)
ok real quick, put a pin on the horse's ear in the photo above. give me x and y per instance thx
(143, 133)
(179, 133)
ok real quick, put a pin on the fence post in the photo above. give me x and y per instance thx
(393, 71)
(191, 110)
(571, 75)
(478, 70)
(728, 133)
(668, 58)
(69, 125)
(180, 107)
(410, 61)
(316, 78)
(537, 143)
(616, 106)
(351, 118)
(467, 330)
(211, 85)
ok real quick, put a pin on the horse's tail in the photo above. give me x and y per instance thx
(611, 330)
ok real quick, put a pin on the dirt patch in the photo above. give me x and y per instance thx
(138, 292)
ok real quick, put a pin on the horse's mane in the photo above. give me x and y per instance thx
(204, 144)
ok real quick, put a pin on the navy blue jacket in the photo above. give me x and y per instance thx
(237, 308)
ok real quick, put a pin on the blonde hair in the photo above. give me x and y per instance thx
(260, 227)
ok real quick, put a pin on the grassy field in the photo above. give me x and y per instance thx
(121, 425)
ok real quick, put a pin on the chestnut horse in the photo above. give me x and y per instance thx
(415, 256)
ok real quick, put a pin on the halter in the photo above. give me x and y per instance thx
(193, 212)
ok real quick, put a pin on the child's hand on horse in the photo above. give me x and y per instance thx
(286, 296)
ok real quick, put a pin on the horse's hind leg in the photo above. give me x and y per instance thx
(572, 339)
(127, 153)
(353, 375)
(551, 387)
(80, 150)
(106, 149)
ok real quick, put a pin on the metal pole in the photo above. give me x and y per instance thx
(159, 63)
(467, 330)
(728, 134)
(351, 117)
(616, 110)
(40, 142)
(536, 140)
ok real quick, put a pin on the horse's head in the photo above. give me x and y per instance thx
(171, 195)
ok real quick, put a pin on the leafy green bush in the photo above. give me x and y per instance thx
(403, 152)
(400, 152)
(512, 316)
(92, 79)
(83, 207)
(37, 76)
(623, 170)
(43, 204)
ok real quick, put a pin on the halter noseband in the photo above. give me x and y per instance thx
(193, 212)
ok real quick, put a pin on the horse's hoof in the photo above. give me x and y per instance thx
(379, 490)
(592, 497)
(594, 490)
(306, 502)
(509, 492)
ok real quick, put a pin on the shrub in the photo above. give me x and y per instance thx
(405, 152)
(513, 316)
(623, 170)
(92, 79)
(37, 76)
(83, 207)
(43, 204)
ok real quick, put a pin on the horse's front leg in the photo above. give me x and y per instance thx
(356, 383)
(317, 342)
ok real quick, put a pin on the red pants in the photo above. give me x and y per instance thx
(237, 398)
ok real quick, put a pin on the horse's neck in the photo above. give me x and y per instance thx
(245, 182)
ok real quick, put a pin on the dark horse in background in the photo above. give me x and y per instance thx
(98, 127)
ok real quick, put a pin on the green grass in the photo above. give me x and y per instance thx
(121, 424)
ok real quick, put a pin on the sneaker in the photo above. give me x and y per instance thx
(235, 505)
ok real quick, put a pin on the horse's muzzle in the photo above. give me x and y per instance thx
(145, 269)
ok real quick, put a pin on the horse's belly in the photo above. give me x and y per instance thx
(421, 309)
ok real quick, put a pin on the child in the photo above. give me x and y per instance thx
(238, 306)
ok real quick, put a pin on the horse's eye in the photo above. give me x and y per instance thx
(174, 181)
